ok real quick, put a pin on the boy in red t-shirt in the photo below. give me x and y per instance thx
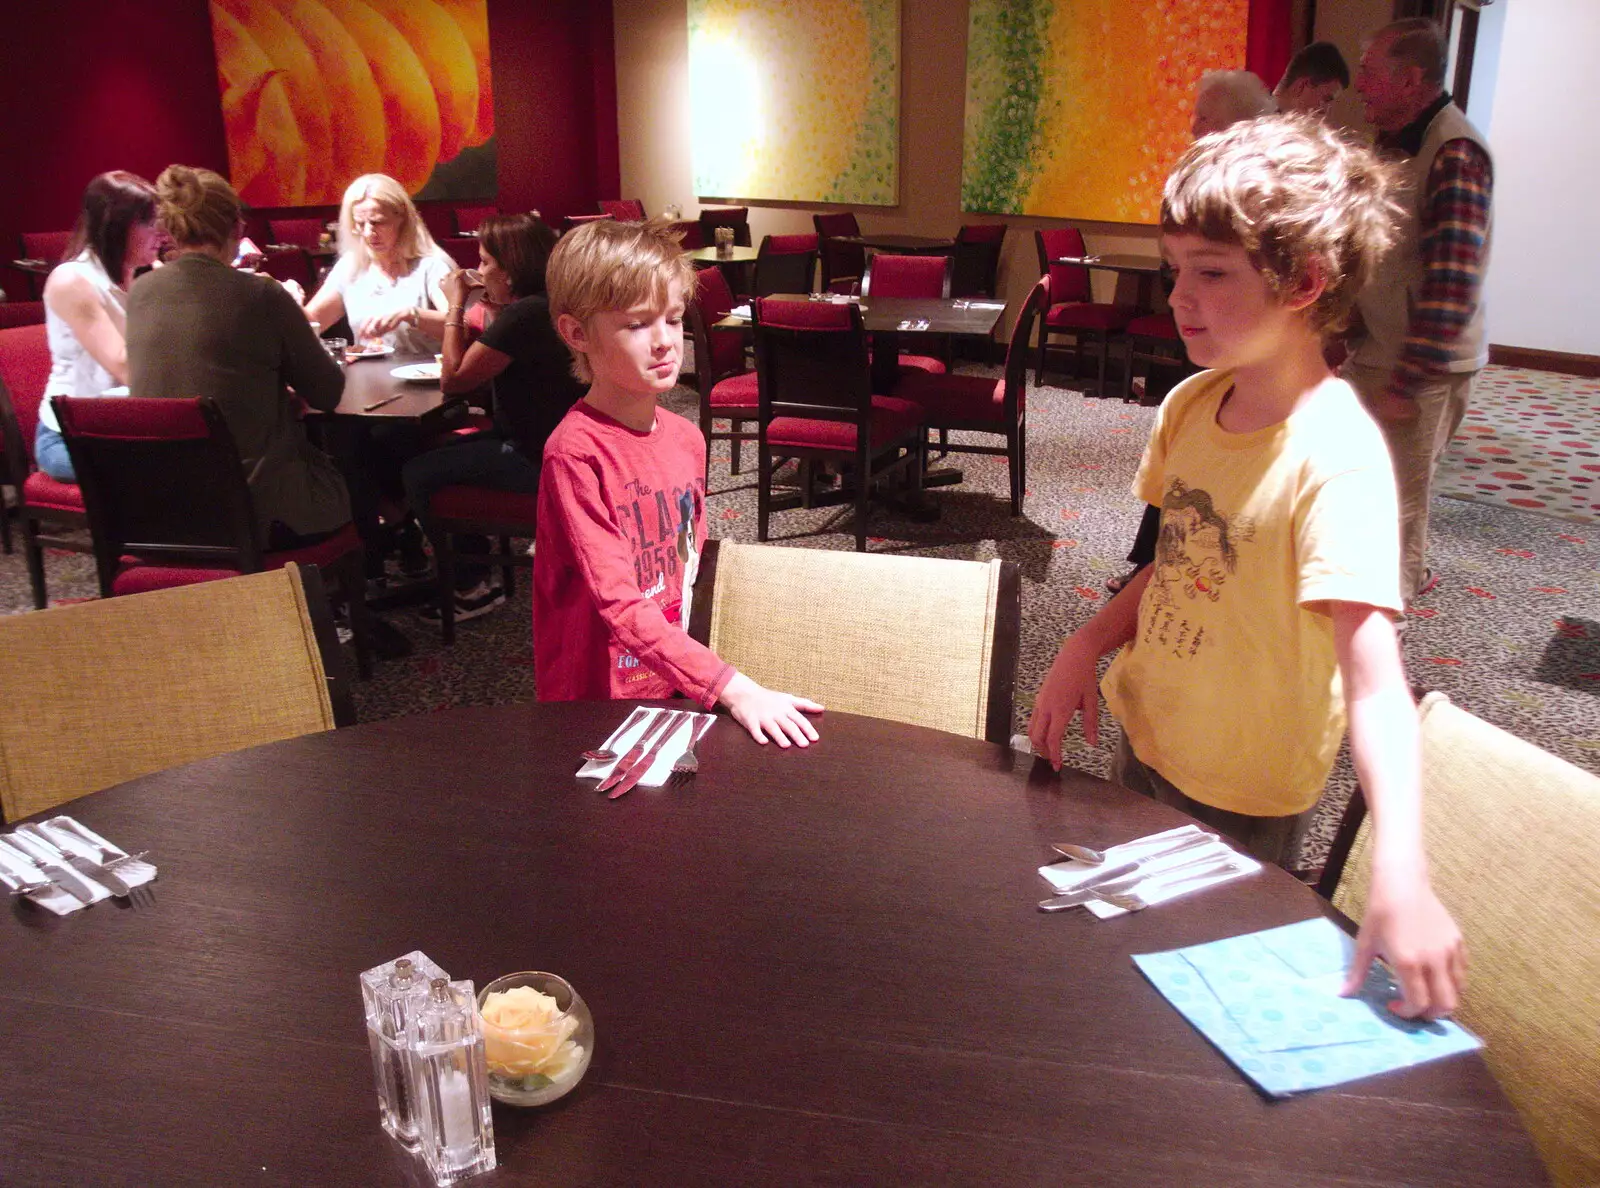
(622, 494)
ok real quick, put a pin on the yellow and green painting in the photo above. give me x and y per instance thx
(1079, 108)
(796, 100)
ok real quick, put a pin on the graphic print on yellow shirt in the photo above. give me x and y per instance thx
(1197, 551)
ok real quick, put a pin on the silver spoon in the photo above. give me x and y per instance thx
(1130, 901)
(605, 754)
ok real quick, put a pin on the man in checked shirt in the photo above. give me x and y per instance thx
(1420, 348)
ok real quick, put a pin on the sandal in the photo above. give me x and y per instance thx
(1120, 583)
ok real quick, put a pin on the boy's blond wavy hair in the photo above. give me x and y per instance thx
(1289, 190)
(606, 265)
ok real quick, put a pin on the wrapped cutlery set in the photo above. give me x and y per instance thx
(1141, 873)
(63, 865)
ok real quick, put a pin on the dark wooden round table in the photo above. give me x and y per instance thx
(806, 966)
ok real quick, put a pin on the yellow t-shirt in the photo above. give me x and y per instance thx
(1230, 687)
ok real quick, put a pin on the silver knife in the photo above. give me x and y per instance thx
(95, 870)
(68, 880)
(1084, 891)
(638, 770)
(625, 764)
(1126, 876)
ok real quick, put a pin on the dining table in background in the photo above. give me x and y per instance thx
(807, 965)
(1144, 269)
(910, 245)
(373, 395)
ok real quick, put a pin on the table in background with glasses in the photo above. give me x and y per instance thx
(805, 965)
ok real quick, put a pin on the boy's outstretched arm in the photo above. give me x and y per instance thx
(766, 712)
(1070, 685)
(1405, 923)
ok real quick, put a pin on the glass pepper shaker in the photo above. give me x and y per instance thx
(393, 994)
(454, 1125)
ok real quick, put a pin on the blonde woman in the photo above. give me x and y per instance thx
(386, 281)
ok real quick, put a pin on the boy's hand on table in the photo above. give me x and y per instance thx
(1068, 687)
(765, 712)
(1407, 926)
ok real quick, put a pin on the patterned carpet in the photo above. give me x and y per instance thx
(1512, 633)
(1530, 440)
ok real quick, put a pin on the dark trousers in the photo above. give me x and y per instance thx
(486, 460)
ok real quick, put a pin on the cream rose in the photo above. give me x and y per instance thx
(525, 1032)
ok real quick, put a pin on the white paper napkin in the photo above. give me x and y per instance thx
(740, 311)
(14, 871)
(1163, 868)
(661, 765)
(1067, 874)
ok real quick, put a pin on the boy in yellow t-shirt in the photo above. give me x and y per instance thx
(1267, 612)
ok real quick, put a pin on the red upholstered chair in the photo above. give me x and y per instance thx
(842, 263)
(1153, 338)
(977, 266)
(975, 403)
(439, 218)
(1072, 313)
(785, 264)
(737, 217)
(568, 222)
(912, 276)
(816, 402)
(168, 506)
(692, 237)
(463, 249)
(483, 512)
(290, 263)
(44, 506)
(45, 245)
(727, 385)
(624, 210)
(21, 313)
(301, 233)
(467, 218)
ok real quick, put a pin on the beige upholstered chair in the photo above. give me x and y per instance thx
(1513, 840)
(913, 639)
(101, 692)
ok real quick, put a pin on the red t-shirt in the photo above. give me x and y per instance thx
(621, 521)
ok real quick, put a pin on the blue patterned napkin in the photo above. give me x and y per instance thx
(1270, 1002)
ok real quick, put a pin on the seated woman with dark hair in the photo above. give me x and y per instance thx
(85, 302)
(200, 327)
(530, 371)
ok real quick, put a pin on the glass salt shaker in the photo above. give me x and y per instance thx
(392, 994)
(452, 1089)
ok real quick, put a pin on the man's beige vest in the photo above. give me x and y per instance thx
(1385, 303)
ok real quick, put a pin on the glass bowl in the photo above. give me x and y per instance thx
(536, 1051)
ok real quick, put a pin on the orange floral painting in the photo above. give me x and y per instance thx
(318, 92)
(1079, 108)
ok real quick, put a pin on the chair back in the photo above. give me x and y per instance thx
(45, 245)
(690, 235)
(847, 628)
(624, 210)
(301, 233)
(1016, 372)
(21, 313)
(568, 222)
(1513, 842)
(1068, 282)
(102, 692)
(737, 217)
(840, 261)
(439, 218)
(977, 256)
(24, 371)
(811, 361)
(289, 263)
(462, 249)
(142, 465)
(717, 353)
(785, 264)
(907, 276)
(467, 218)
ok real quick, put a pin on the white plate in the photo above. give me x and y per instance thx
(379, 353)
(417, 373)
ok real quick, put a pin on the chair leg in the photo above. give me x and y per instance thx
(34, 555)
(351, 572)
(1019, 468)
(508, 572)
(863, 489)
(5, 524)
(444, 560)
(733, 445)
(1038, 366)
(763, 490)
(1104, 344)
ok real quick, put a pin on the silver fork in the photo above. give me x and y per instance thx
(1131, 901)
(688, 763)
(111, 858)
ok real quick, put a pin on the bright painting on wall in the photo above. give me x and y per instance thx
(317, 92)
(1079, 108)
(796, 100)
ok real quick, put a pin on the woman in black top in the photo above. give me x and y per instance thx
(530, 370)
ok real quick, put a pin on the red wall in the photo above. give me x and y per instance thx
(87, 86)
